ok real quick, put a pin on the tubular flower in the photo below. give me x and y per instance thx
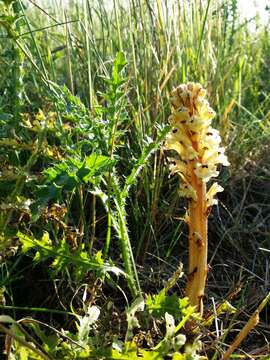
(199, 155)
(214, 189)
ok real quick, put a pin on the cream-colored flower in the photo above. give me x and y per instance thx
(177, 166)
(215, 156)
(206, 171)
(186, 190)
(197, 123)
(179, 134)
(185, 151)
(214, 189)
(180, 116)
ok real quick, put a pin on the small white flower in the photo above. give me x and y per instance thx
(206, 171)
(214, 189)
(215, 156)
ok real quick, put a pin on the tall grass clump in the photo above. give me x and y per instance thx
(217, 50)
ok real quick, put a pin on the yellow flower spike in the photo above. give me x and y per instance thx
(199, 153)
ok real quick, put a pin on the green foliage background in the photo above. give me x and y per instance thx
(84, 102)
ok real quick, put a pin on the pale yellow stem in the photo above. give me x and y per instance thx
(197, 242)
(197, 249)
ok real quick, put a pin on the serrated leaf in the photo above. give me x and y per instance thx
(27, 242)
(140, 163)
(161, 303)
(94, 165)
(62, 256)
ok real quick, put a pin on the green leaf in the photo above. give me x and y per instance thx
(27, 242)
(63, 258)
(93, 166)
(160, 304)
(141, 162)
(44, 194)
(118, 65)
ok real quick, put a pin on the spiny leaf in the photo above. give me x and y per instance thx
(161, 303)
(93, 166)
(62, 256)
(152, 146)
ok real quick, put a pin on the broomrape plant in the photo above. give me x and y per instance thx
(199, 154)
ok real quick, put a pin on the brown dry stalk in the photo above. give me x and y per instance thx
(250, 325)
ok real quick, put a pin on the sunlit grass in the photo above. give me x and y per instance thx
(64, 101)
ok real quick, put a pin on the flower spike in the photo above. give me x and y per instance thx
(199, 155)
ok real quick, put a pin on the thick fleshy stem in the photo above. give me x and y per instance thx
(197, 245)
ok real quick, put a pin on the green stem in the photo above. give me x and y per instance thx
(127, 253)
(16, 91)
